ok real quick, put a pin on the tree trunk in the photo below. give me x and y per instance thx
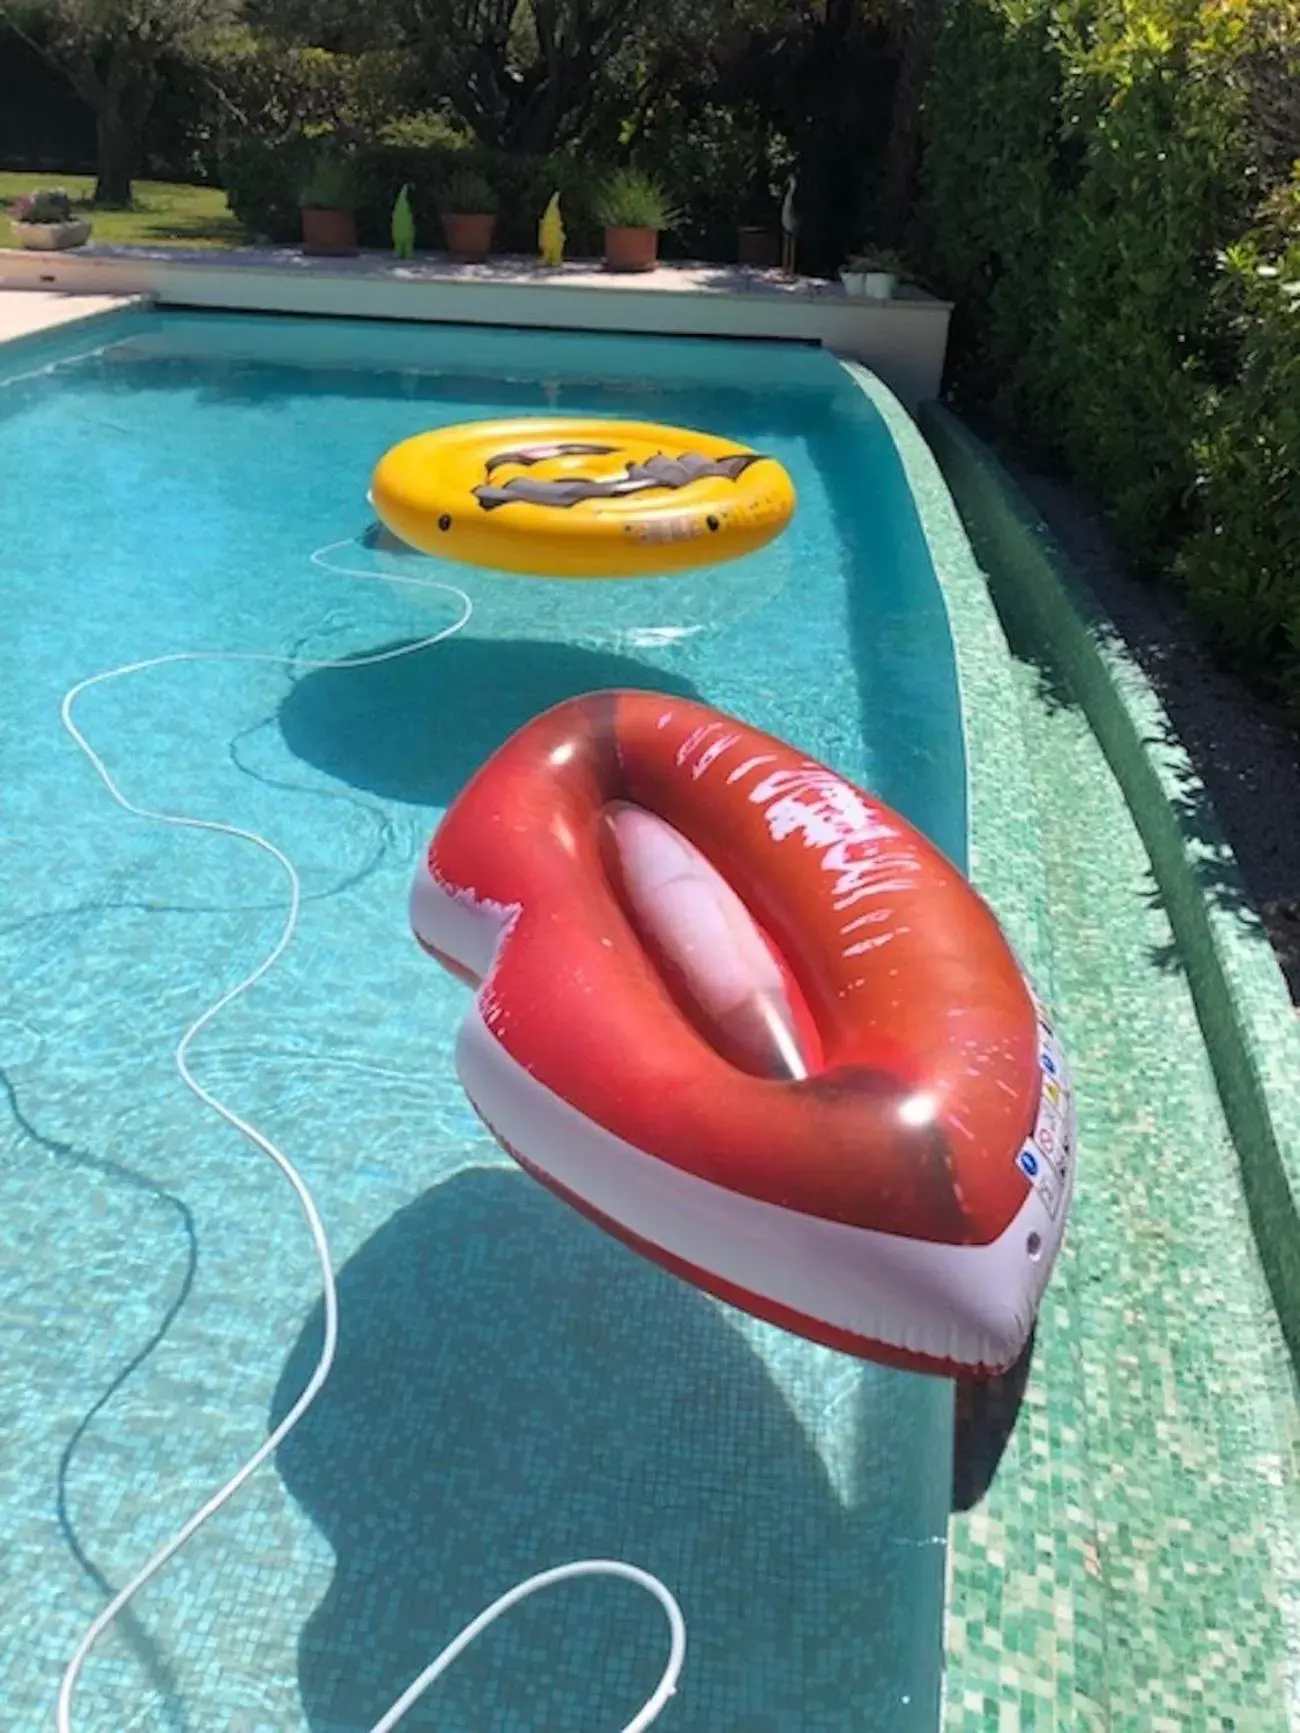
(921, 22)
(116, 146)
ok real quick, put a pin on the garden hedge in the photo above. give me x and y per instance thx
(1099, 191)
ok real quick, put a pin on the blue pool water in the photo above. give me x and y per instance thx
(513, 1390)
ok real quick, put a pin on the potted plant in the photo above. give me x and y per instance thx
(329, 207)
(873, 273)
(758, 244)
(468, 208)
(43, 220)
(758, 229)
(633, 209)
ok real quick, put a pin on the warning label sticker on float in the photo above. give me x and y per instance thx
(1047, 1157)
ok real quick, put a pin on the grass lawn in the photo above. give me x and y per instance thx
(164, 211)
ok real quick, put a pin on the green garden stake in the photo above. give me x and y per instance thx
(403, 226)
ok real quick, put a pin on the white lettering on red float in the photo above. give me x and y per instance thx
(827, 814)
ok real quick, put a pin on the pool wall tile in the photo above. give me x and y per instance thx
(1159, 1586)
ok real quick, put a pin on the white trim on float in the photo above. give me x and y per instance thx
(972, 1305)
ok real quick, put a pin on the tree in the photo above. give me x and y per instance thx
(112, 52)
(527, 76)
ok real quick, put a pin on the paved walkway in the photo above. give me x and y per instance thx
(23, 311)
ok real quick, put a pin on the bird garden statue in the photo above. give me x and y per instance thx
(789, 226)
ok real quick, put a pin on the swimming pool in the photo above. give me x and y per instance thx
(513, 1390)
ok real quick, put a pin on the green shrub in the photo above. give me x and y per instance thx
(722, 165)
(1088, 167)
(991, 176)
(1241, 564)
(279, 90)
(1133, 273)
(262, 178)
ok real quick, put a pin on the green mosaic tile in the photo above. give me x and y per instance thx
(1132, 1562)
(1161, 1409)
(1021, 1615)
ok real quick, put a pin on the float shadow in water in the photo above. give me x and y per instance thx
(514, 1390)
(417, 728)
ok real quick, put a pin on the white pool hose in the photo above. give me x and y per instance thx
(654, 1705)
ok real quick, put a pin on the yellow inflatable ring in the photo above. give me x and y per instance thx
(561, 498)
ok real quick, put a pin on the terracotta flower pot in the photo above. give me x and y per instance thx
(469, 234)
(631, 249)
(756, 245)
(328, 234)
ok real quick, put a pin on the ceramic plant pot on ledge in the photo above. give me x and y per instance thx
(469, 234)
(52, 237)
(328, 234)
(869, 285)
(759, 246)
(631, 249)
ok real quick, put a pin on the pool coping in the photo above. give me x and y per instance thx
(1250, 1026)
(1002, 1590)
(904, 340)
(66, 315)
(1025, 1628)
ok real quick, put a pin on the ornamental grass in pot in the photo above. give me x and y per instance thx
(329, 205)
(467, 206)
(633, 209)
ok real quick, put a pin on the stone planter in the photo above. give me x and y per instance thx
(631, 249)
(52, 237)
(469, 234)
(853, 282)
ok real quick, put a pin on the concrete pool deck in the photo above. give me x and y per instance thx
(26, 312)
(903, 341)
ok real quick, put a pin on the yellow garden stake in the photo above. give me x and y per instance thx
(550, 234)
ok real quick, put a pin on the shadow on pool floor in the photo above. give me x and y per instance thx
(514, 1390)
(415, 729)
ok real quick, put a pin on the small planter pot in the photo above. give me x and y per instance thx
(631, 249)
(879, 285)
(52, 237)
(469, 234)
(328, 234)
(854, 282)
(758, 246)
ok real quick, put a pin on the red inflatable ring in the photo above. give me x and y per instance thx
(752, 1022)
